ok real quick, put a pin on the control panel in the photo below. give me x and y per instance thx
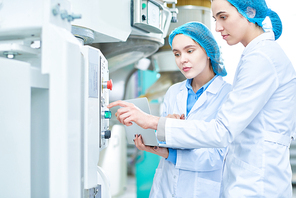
(96, 132)
(105, 113)
(97, 87)
(149, 15)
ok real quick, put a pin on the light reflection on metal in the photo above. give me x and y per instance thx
(10, 55)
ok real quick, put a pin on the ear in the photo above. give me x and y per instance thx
(251, 12)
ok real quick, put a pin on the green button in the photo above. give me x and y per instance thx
(107, 114)
(144, 5)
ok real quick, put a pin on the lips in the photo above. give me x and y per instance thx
(225, 36)
(186, 69)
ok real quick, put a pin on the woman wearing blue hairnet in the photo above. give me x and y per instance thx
(199, 171)
(258, 118)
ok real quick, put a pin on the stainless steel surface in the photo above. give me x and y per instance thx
(120, 54)
(85, 34)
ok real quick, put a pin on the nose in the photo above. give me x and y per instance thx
(219, 27)
(184, 58)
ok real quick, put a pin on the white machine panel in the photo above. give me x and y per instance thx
(96, 114)
(15, 150)
(110, 20)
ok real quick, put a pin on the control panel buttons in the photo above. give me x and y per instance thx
(107, 114)
(108, 84)
(106, 134)
(144, 5)
(144, 17)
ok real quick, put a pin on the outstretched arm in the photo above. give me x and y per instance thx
(130, 113)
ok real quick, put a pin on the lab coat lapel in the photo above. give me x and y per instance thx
(213, 88)
(182, 100)
(201, 100)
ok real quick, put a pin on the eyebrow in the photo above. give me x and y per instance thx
(186, 47)
(221, 12)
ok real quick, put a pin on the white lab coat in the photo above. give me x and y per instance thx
(198, 172)
(256, 122)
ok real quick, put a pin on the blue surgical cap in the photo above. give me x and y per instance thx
(262, 11)
(203, 36)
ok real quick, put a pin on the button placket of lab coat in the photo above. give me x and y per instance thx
(175, 179)
(182, 96)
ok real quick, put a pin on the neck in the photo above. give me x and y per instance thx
(254, 31)
(202, 79)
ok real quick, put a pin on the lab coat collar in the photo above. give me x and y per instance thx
(265, 36)
(213, 88)
(182, 98)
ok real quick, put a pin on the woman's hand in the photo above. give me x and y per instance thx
(130, 113)
(176, 116)
(163, 152)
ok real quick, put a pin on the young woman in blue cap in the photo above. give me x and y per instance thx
(192, 172)
(258, 119)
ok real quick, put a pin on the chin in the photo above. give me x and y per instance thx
(191, 76)
(232, 42)
(187, 76)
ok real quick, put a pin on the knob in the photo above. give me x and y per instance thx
(107, 114)
(108, 84)
(144, 17)
(106, 134)
(144, 5)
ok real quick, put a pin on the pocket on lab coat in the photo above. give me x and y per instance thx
(207, 188)
(242, 178)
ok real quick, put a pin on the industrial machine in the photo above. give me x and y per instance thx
(55, 87)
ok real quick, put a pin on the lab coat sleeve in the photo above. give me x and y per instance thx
(204, 159)
(256, 81)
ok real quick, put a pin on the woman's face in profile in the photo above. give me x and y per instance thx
(230, 23)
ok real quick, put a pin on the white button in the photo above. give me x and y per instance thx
(174, 176)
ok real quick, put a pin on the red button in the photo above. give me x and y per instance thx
(109, 84)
